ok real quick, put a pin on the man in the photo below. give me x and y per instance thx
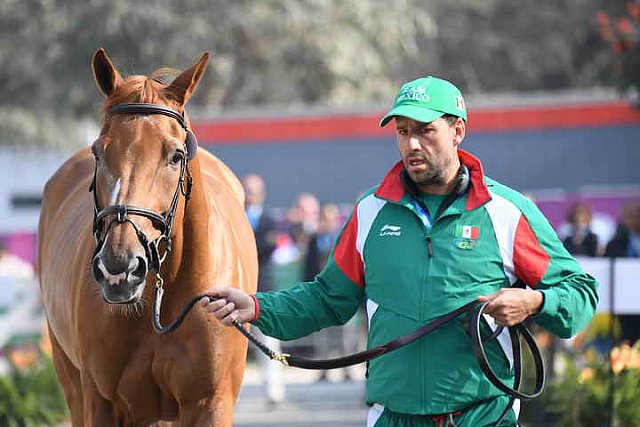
(434, 235)
(264, 228)
(626, 244)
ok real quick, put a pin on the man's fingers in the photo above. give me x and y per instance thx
(226, 310)
(492, 308)
(219, 292)
(228, 320)
(214, 305)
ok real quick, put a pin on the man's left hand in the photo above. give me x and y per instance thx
(510, 306)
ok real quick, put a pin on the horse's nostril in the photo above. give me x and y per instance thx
(95, 268)
(138, 267)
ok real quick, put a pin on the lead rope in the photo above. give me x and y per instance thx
(475, 307)
(159, 329)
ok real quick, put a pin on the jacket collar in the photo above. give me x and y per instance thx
(391, 187)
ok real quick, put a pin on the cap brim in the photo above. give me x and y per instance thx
(419, 114)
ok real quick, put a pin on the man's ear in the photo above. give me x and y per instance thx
(460, 129)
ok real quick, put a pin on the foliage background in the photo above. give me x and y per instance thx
(284, 52)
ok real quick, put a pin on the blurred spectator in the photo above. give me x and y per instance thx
(602, 225)
(321, 242)
(626, 244)
(303, 219)
(330, 342)
(581, 240)
(264, 228)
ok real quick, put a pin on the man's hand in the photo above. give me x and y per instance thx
(510, 306)
(233, 304)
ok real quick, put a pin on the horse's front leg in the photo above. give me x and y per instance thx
(98, 411)
(214, 412)
(217, 412)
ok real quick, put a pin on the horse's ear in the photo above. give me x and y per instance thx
(186, 83)
(105, 73)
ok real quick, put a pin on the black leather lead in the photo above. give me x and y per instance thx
(475, 308)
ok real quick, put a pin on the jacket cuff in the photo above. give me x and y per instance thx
(550, 304)
(256, 307)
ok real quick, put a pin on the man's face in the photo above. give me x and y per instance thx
(429, 150)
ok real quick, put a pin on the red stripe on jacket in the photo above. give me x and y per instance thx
(346, 255)
(529, 258)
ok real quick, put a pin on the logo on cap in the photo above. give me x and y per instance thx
(460, 103)
(413, 93)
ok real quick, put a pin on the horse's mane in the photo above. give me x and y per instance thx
(146, 89)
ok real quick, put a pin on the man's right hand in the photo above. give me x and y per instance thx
(231, 304)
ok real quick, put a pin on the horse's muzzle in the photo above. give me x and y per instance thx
(121, 281)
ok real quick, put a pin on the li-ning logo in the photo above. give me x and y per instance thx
(391, 230)
(413, 93)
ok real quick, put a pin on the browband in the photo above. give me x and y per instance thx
(146, 109)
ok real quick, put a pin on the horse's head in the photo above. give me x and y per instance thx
(141, 171)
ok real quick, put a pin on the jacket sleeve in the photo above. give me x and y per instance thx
(332, 298)
(542, 262)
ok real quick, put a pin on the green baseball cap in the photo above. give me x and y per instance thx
(427, 99)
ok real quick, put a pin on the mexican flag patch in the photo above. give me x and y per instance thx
(467, 231)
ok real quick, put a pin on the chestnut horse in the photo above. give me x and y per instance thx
(160, 212)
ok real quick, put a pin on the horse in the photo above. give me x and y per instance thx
(160, 213)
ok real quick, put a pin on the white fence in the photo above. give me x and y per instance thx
(618, 277)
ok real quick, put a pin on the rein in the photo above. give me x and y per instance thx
(475, 309)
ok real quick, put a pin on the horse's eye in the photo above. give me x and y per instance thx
(177, 157)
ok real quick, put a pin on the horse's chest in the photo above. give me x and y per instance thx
(141, 388)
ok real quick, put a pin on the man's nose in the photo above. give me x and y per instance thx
(414, 143)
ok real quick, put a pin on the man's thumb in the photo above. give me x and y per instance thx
(219, 292)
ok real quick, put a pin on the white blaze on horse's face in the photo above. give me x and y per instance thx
(139, 160)
(114, 194)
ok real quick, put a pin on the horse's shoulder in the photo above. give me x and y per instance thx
(216, 173)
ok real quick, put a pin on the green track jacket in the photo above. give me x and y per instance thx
(410, 273)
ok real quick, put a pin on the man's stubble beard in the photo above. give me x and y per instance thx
(432, 176)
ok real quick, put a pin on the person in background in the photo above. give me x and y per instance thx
(320, 244)
(304, 217)
(264, 228)
(581, 240)
(626, 244)
(434, 235)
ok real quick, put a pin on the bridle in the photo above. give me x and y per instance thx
(156, 250)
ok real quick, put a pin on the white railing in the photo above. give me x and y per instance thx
(619, 277)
